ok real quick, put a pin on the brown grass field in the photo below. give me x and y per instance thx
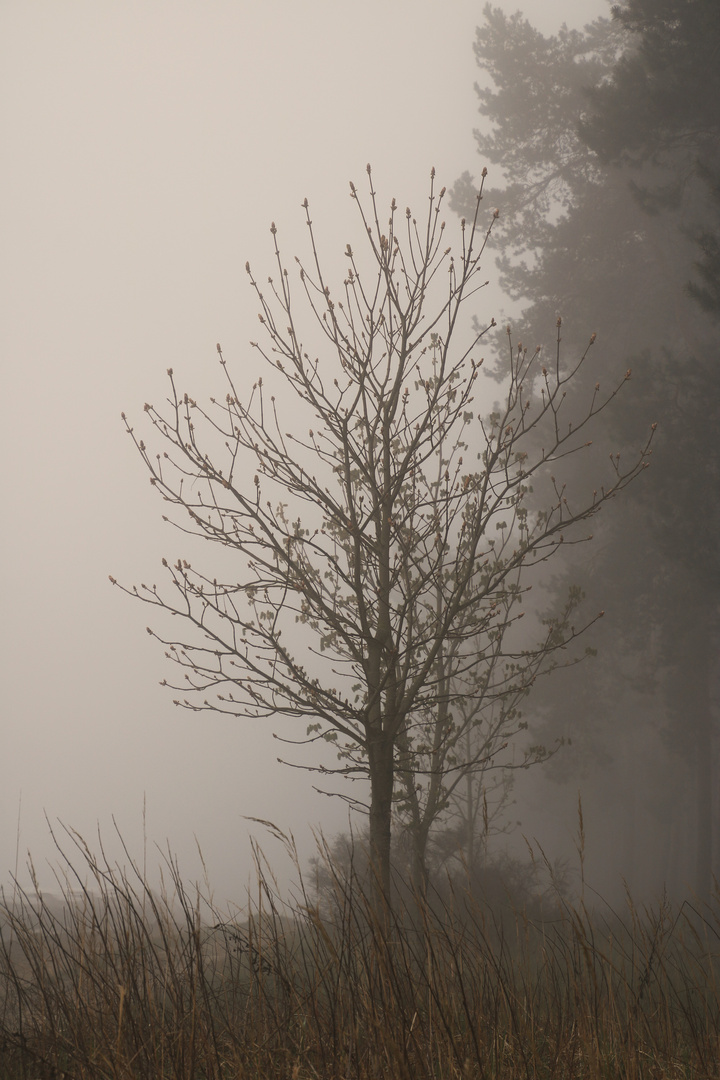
(115, 979)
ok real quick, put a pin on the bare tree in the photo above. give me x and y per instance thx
(375, 547)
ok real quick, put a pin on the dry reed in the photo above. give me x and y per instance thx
(116, 979)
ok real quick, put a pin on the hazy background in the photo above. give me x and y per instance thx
(146, 148)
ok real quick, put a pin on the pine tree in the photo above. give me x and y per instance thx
(612, 216)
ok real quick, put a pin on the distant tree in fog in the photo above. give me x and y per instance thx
(373, 532)
(610, 139)
(658, 117)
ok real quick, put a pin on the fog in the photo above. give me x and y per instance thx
(147, 147)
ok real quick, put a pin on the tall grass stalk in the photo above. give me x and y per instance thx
(113, 978)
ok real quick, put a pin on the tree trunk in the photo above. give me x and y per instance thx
(420, 876)
(704, 794)
(699, 702)
(380, 762)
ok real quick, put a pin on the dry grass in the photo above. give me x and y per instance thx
(118, 980)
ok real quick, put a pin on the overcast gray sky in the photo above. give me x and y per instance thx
(147, 145)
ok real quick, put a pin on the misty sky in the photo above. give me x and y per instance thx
(146, 148)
